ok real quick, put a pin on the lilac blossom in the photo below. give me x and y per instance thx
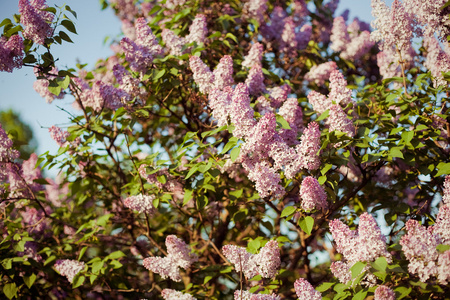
(254, 56)
(308, 150)
(285, 158)
(446, 190)
(172, 4)
(320, 73)
(41, 85)
(125, 9)
(292, 113)
(339, 93)
(278, 94)
(358, 46)
(313, 195)
(11, 53)
(36, 21)
(223, 73)
(442, 224)
(220, 101)
(319, 102)
(339, 121)
(69, 268)
(198, 30)
(266, 178)
(178, 256)
(388, 61)
(384, 293)
(169, 294)
(30, 173)
(141, 203)
(173, 42)
(339, 35)
(246, 295)
(203, 76)
(266, 263)
(303, 36)
(437, 61)
(305, 291)
(241, 114)
(255, 9)
(7, 153)
(255, 80)
(128, 29)
(58, 135)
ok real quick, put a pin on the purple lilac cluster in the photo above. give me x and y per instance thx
(220, 101)
(384, 293)
(309, 147)
(173, 42)
(41, 85)
(178, 256)
(348, 40)
(388, 61)
(36, 20)
(255, 9)
(125, 9)
(7, 153)
(305, 291)
(255, 80)
(321, 73)
(437, 60)
(223, 74)
(254, 56)
(246, 295)
(58, 135)
(141, 203)
(198, 30)
(140, 53)
(266, 263)
(366, 244)
(69, 268)
(313, 195)
(169, 294)
(203, 76)
(11, 53)
(292, 113)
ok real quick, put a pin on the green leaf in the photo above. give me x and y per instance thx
(96, 266)
(307, 224)
(326, 168)
(445, 5)
(10, 290)
(116, 255)
(253, 246)
(187, 196)
(407, 136)
(287, 211)
(191, 171)
(55, 90)
(82, 252)
(323, 116)
(444, 169)
(29, 280)
(380, 264)
(324, 286)
(69, 26)
(159, 74)
(228, 146)
(5, 22)
(357, 268)
(361, 295)
(283, 122)
(78, 281)
(396, 152)
(207, 279)
(65, 37)
(403, 291)
(234, 154)
(442, 248)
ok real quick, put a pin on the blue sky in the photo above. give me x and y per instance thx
(93, 25)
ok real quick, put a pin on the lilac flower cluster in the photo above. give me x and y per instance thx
(141, 203)
(348, 40)
(254, 56)
(384, 293)
(388, 61)
(309, 147)
(69, 268)
(255, 9)
(58, 135)
(171, 185)
(11, 53)
(266, 263)
(198, 30)
(437, 60)
(367, 243)
(313, 195)
(292, 113)
(223, 74)
(320, 73)
(173, 42)
(255, 80)
(140, 53)
(203, 76)
(41, 85)
(169, 294)
(178, 256)
(7, 153)
(36, 20)
(246, 295)
(305, 291)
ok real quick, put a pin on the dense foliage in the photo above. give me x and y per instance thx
(250, 149)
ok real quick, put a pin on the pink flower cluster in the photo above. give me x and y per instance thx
(58, 135)
(246, 295)
(254, 56)
(389, 61)
(7, 153)
(198, 30)
(203, 76)
(169, 294)
(140, 53)
(353, 44)
(320, 73)
(141, 203)
(255, 9)
(313, 195)
(384, 293)
(69, 268)
(305, 291)
(171, 184)
(11, 53)
(36, 20)
(266, 263)
(366, 244)
(437, 60)
(178, 256)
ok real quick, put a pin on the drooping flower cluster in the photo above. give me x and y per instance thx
(388, 61)
(36, 20)
(11, 53)
(313, 194)
(366, 244)
(58, 135)
(69, 268)
(140, 53)
(266, 263)
(178, 256)
(348, 40)
(384, 293)
(255, 80)
(320, 73)
(141, 203)
(305, 291)
(169, 294)
(292, 113)
(220, 102)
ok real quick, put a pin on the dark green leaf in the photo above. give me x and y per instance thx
(65, 37)
(69, 26)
